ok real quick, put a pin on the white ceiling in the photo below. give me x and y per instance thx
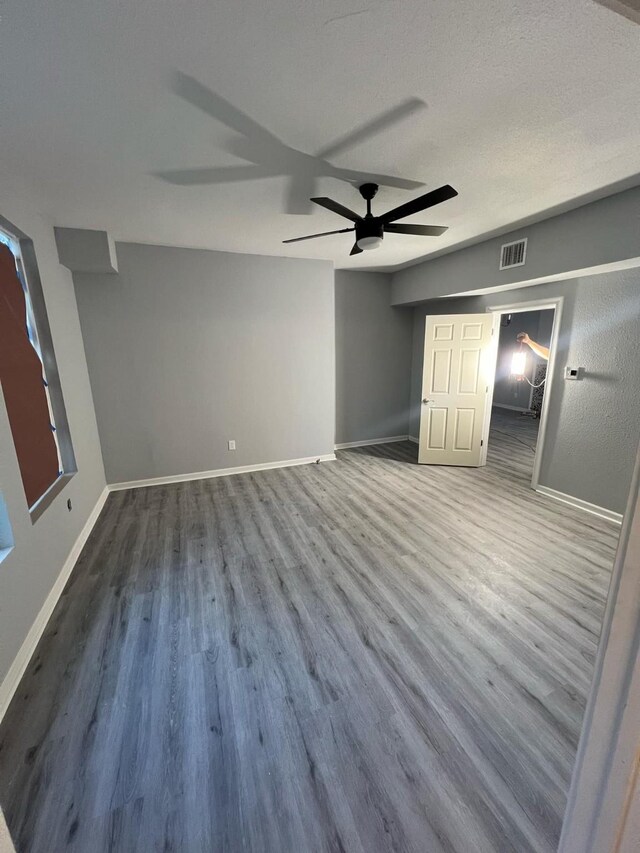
(529, 105)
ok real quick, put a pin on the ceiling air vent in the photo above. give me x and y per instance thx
(513, 254)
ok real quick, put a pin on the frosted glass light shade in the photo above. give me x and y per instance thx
(367, 243)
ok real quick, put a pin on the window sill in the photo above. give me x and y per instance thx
(49, 496)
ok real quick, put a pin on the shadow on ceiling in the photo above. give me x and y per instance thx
(629, 9)
(267, 156)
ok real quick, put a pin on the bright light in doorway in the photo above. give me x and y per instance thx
(518, 363)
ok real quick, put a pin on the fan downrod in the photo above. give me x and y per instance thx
(368, 191)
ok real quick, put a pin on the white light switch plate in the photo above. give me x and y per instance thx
(232, 445)
(573, 372)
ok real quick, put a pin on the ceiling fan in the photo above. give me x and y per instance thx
(370, 229)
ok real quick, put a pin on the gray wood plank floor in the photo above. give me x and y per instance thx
(359, 656)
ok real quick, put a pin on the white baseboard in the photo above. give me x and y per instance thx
(510, 408)
(220, 472)
(345, 445)
(578, 503)
(21, 661)
(414, 439)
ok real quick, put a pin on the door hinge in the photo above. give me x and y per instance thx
(481, 442)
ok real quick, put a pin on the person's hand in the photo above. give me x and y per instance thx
(523, 338)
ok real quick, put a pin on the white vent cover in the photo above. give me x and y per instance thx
(513, 254)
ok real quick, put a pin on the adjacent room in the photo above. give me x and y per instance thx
(521, 374)
(319, 426)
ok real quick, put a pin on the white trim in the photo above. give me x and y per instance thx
(370, 441)
(25, 653)
(554, 304)
(220, 472)
(603, 806)
(414, 439)
(491, 386)
(578, 503)
(530, 305)
(511, 408)
(599, 269)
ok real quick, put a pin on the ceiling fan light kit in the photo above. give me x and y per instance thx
(368, 243)
(369, 229)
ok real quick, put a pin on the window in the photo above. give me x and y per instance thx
(6, 534)
(29, 375)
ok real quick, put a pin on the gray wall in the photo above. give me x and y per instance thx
(506, 391)
(28, 573)
(594, 425)
(373, 359)
(564, 246)
(190, 348)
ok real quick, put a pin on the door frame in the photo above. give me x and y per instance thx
(555, 303)
(603, 806)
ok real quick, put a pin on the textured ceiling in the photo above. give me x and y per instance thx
(526, 106)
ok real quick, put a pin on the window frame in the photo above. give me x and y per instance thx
(6, 531)
(38, 314)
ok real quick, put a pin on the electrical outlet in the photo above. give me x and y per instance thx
(232, 444)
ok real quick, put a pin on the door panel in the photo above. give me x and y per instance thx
(441, 373)
(471, 331)
(463, 433)
(459, 365)
(437, 428)
(469, 371)
(443, 332)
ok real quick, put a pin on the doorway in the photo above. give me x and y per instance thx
(518, 413)
(459, 373)
(522, 360)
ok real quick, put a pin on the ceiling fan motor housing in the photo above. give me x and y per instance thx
(369, 228)
(368, 191)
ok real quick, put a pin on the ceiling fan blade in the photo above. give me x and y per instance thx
(424, 230)
(336, 207)
(371, 128)
(356, 250)
(421, 203)
(323, 234)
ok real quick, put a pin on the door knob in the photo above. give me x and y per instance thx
(425, 401)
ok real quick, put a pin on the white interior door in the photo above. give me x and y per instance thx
(457, 388)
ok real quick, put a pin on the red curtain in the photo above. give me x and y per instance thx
(21, 375)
